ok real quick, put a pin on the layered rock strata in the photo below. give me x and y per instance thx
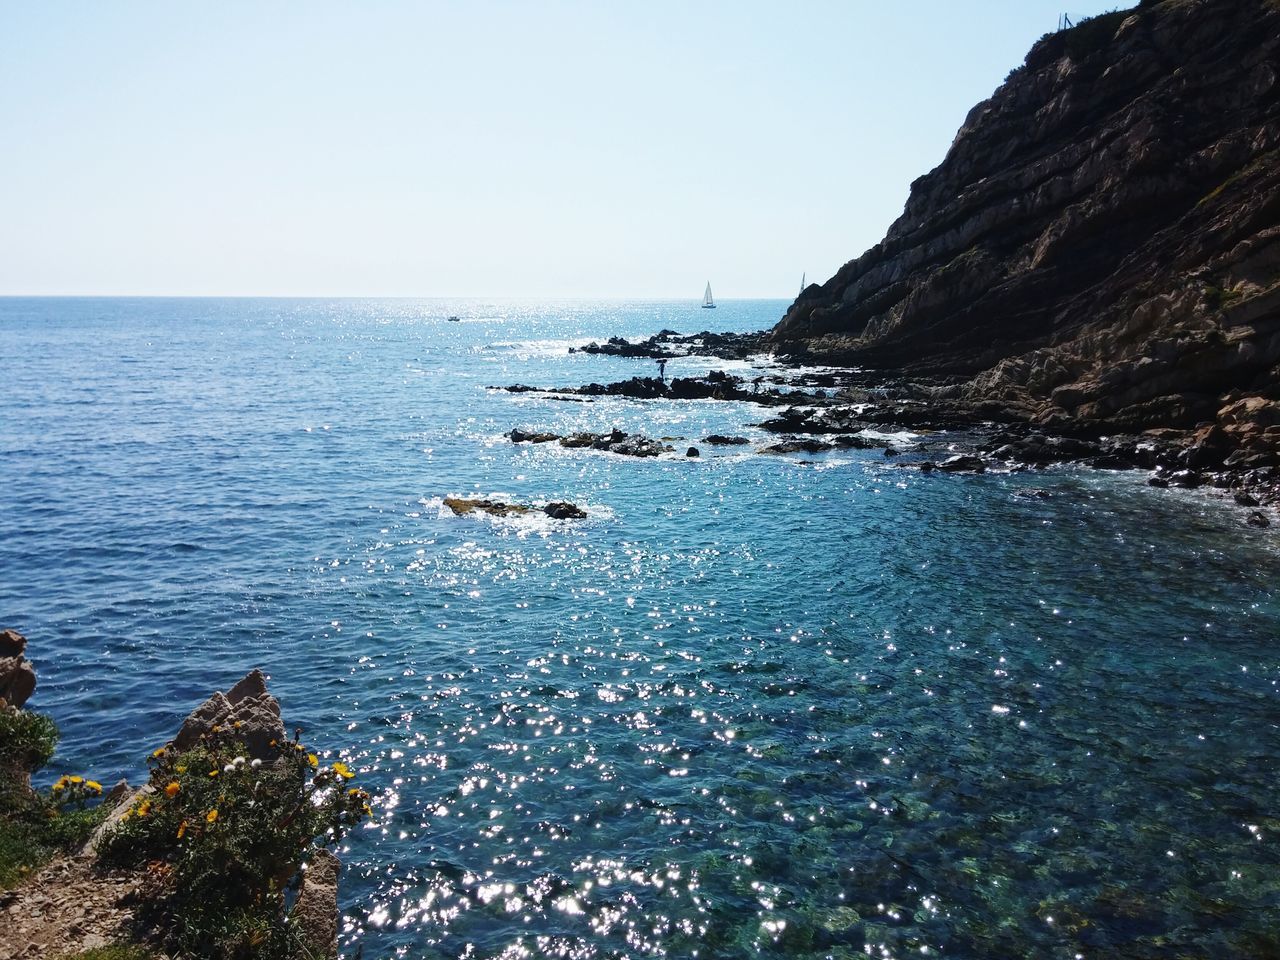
(1099, 251)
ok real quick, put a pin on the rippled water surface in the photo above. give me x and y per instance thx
(751, 707)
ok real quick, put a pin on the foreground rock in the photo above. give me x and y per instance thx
(1099, 252)
(556, 510)
(77, 902)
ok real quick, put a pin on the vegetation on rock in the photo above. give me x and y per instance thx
(223, 837)
(36, 825)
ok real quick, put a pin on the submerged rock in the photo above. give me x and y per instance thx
(1032, 493)
(1258, 519)
(717, 439)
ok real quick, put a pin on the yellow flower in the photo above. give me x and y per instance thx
(172, 789)
(93, 785)
(236, 724)
(313, 760)
(342, 770)
(143, 808)
(158, 752)
(181, 769)
(182, 829)
(213, 773)
(62, 783)
(76, 779)
(211, 816)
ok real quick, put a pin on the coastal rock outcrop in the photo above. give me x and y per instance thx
(249, 709)
(17, 675)
(1099, 251)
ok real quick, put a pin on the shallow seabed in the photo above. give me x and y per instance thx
(751, 707)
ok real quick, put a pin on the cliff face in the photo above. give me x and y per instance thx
(1101, 244)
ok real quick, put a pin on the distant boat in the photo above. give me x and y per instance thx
(708, 302)
(801, 286)
(455, 319)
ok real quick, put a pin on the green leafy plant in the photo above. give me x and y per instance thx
(223, 838)
(35, 825)
(28, 739)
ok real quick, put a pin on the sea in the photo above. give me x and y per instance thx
(754, 706)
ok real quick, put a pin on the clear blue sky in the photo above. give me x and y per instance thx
(555, 149)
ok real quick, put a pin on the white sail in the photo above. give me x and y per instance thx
(707, 300)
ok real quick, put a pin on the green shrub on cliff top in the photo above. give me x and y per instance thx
(27, 740)
(223, 838)
(35, 825)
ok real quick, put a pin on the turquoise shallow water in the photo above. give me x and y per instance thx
(749, 708)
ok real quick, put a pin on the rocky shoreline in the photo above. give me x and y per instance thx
(952, 435)
(1097, 258)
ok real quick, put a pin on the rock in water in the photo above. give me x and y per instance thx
(962, 463)
(496, 508)
(692, 452)
(249, 708)
(1258, 519)
(559, 510)
(17, 675)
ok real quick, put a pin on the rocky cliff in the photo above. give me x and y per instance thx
(1100, 248)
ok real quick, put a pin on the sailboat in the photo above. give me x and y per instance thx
(708, 302)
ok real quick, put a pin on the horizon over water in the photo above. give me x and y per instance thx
(750, 707)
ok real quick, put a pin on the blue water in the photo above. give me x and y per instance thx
(751, 708)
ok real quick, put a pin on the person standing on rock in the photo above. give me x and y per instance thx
(662, 369)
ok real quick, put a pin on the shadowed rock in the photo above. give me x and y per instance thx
(316, 909)
(17, 675)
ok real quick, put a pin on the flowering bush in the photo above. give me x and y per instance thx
(224, 837)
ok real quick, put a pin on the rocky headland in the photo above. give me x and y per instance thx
(1099, 252)
(1092, 274)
